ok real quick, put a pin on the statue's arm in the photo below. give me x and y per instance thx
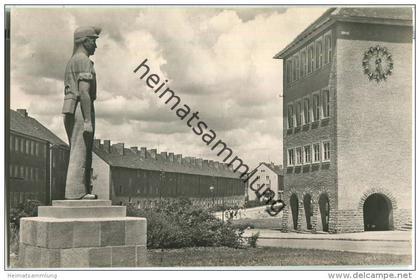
(86, 105)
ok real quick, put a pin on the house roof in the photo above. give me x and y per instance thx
(22, 123)
(275, 168)
(131, 159)
(384, 15)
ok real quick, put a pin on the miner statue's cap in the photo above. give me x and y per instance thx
(86, 31)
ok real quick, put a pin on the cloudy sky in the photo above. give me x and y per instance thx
(218, 60)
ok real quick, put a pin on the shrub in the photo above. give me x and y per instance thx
(252, 240)
(27, 209)
(178, 224)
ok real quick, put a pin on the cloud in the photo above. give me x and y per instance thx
(217, 59)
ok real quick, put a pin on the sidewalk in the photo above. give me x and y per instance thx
(373, 242)
(397, 236)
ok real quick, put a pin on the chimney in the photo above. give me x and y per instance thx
(171, 157)
(178, 158)
(119, 147)
(143, 152)
(107, 146)
(200, 162)
(97, 143)
(134, 149)
(164, 156)
(23, 112)
(153, 153)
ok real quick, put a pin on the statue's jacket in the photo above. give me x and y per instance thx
(79, 68)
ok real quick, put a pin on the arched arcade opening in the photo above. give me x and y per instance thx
(377, 213)
(294, 206)
(307, 205)
(324, 210)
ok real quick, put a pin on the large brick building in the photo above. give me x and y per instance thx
(144, 176)
(37, 161)
(348, 122)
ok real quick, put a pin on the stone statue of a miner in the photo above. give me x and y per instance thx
(79, 113)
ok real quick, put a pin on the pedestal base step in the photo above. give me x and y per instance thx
(110, 256)
(82, 202)
(74, 233)
(82, 233)
(61, 212)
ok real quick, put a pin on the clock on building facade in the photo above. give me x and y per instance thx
(377, 63)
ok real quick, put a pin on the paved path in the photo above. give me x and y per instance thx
(387, 242)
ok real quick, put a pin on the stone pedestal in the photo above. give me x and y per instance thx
(82, 233)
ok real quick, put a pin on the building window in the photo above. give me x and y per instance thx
(33, 148)
(307, 151)
(16, 144)
(28, 147)
(289, 71)
(12, 142)
(293, 73)
(326, 151)
(290, 157)
(325, 103)
(311, 58)
(318, 58)
(316, 107)
(289, 116)
(306, 112)
(37, 149)
(298, 113)
(296, 67)
(328, 48)
(22, 145)
(16, 173)
(316, 152)
(299, 158)
(267, 178)
(303, 62)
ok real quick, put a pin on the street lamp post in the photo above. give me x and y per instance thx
(212, 194)
(162, 180)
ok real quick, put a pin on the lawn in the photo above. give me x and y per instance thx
(263, 256)
(267, 256)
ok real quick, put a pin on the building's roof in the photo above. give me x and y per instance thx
(133, 160)
(275, 168)
(21, 122)
(383, 15)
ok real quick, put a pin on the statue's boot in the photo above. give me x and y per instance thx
(89, 196)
